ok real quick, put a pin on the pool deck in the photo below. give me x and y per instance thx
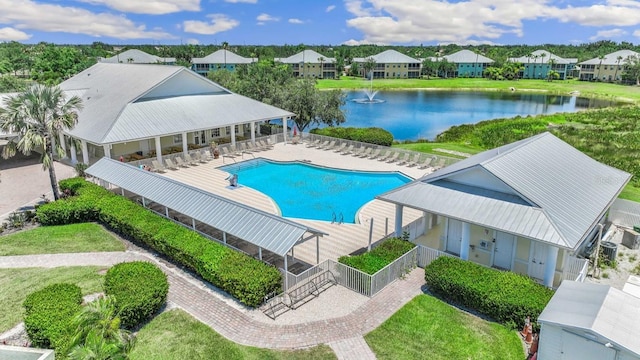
(343, 239)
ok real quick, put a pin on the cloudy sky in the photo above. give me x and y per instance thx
(263, 22)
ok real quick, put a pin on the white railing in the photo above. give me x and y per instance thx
(293, 280)
(426, 255)
(575, 269)
(415, 229)
(397, 269)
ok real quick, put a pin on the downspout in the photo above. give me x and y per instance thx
(595, 260)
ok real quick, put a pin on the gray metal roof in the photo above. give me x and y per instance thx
(135, 56)
(260, 228)
(389, 57)
(601, 309)
(542, 60)
(218, 57)
(612, 59)
(567, 191)
(124, 102)
(467, 57)
(306, 56)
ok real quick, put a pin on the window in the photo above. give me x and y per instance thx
(177, 139)
(237, 129)
(215, 132)
(227, 130)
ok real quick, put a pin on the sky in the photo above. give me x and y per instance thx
(320, 22)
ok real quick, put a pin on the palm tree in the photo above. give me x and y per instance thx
(321, 61)
(615, 75)
(601, 57)
(39, 115)
(225, 45)
(542, 56)
(368, 66)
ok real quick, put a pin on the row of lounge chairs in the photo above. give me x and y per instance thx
(387, 155)
(177, 162)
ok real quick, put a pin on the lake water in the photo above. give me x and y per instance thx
(420, 114)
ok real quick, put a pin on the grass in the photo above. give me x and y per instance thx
(87, 237)
(177, 335)
(432, 148)
(588, 89)
(630, 192)
(16, 284)
(428, 328)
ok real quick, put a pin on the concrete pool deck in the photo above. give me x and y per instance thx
(342, 239)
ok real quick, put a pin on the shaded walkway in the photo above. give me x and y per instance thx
(232, 321)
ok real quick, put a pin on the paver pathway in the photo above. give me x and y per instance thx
(195, 297)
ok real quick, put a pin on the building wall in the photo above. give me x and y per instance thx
(314, 70)
(557, 342)
(203, 69)
(471, 69)
(602, 73)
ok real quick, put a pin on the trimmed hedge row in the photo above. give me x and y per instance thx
(371, 135)
(48, 316)
(384, 254)
(140, 290)
(245, 278)
(505, 296)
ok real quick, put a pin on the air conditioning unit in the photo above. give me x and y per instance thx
(631, 239)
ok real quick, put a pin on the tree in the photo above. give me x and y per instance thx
(552, 74)
(429, 67)
(445, 67)
(312, 106)
(601, 58)
(225, 45)
(39, 115)
(368, 66)
(632, 68)
(615, 75)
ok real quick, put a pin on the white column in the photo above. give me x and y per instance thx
(233, 135)
(399, 209)
(284, 129)
(317, 249)
(85, 152)
(107, 151)
(74, 153)
(260, 253)
(464, 244)
(550, 265)
(185, 146)
(63, 145)
(253, 132)
(286, 276)
(259, 130)
(158, 149)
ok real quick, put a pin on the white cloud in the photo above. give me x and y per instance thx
(353, 42)
(28, 14)
(266, 17)
(242, 1)
(193, 41)
(218, 23)
(330, 8)
(154, 7)
(636, 33)
(608, 34)
(11, 34)
(452, 21)
(295, 21)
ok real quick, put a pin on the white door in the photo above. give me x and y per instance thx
(454, 236)
(577, 347)
(503, 250)
(537, 259)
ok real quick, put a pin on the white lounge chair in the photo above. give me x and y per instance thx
(327, 147)
(415, 161)
(314, 143)
(170, 164)
(375, 154)
(441, 163)
(404, 159)
(157, 167)
(189, 160)
(348, 150)
(386, 156)
(426, 163)
(365, 153)
(341, 147)
(180, 162)
(393, 157)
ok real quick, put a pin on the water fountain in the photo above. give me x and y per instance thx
(370, 99)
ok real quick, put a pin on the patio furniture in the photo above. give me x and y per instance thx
(199, 157)
(180, 162)
(393, 158)
(265, 145)
(364, 153)
(189, 160)
(157, 167)
(404, 159)
(315, 143)
(347, 150)
(170, 164)
(341, 147)
(426, 163)
(387, 156)
(415, 161)
(326, 147)
(375, 154)
(439, 165)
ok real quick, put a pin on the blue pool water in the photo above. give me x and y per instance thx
(311, 192)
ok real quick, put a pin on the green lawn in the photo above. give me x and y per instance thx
(589, 89)
(432, 148)
(177, 335)
(87, 237)
(16, 284)
(428, 328)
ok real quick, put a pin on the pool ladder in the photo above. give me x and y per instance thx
(337, 218)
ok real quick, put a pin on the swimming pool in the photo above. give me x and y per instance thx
(313, 192)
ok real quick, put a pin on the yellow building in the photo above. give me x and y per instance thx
(310, 64)
(390, 64)
(608, 68)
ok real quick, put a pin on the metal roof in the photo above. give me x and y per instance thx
(218, 57)
(174, 99)
(260, 228)
(467, 57)
(389, 57)
(542, 60)
(612, 59)
(135, 56)
(567, 191)
(600, 309)
(306, 56)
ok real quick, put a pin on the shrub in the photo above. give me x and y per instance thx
(373, 261)
(140, 290)
(48, 316)
(505, 296)
(376, 136)
(247, 279)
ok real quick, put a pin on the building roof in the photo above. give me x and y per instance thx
(223, 56)
(268, 231)
(542, 60)
(612, 59)
(135, 56)
(305, 56)
(600, 309)
(467, 56)
(125, 102)
(541, 188)
(389, 57)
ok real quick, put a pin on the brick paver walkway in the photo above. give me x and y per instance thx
(344, 334)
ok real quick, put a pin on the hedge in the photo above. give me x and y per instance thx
(48, 316)
(140, 290)
(505, 296)
(376, 136)
(384, 254)
(247, 279)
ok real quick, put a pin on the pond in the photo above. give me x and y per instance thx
(423, 114)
